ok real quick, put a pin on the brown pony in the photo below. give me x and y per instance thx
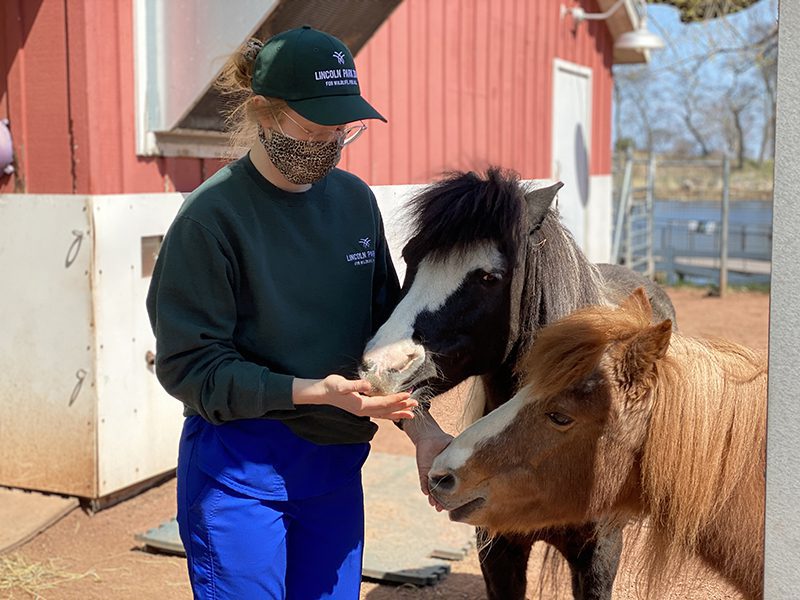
(621, 419)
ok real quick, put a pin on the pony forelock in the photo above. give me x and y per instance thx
(464, 208)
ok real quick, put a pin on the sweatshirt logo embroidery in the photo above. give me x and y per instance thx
(365, 257)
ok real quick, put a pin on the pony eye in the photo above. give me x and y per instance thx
(489, 277)
(559, 419)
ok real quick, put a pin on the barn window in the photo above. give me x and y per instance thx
(181, 46)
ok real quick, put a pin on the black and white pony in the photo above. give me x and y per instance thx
(489, 265)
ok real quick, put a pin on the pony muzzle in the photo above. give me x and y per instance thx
(394, 367)
(460, 504)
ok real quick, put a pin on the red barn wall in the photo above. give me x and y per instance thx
(67, 87)
(464, 84)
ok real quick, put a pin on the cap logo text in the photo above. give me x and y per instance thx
(333, 77)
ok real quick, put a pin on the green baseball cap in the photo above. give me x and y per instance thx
(315, 74)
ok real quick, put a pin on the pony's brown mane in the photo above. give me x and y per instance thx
(708, 421)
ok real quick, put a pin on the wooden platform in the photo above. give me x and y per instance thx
(25, 514)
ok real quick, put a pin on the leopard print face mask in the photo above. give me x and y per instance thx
(301, 162)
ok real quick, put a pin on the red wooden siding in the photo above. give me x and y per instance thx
(68, 81)
(34, 93)
(467, 83)
(464, 84)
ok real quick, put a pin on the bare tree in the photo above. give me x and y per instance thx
(766, 61)
(743, 100)
(689, 109)
(633, 90)
(716, 91)
(691, 98)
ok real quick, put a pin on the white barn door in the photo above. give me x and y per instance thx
(572, 122)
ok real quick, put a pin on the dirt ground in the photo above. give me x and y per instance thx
(95, 556)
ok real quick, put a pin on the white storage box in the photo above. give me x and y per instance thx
(81, 411)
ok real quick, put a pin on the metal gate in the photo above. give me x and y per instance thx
(633, 222)
(694, 244)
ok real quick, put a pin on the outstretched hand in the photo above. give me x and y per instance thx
(354, 396)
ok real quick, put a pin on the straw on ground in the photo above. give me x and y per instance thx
(17, 574)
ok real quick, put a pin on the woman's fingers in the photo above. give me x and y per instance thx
(394, 406)
(398, 415)
(400, 399)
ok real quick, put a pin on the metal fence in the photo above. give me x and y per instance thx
(708, 239)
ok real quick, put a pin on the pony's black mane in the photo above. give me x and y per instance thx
(559, 279)
(464, 208)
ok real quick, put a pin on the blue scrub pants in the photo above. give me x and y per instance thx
(238, 547)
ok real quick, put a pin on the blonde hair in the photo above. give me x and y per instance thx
(239, 109)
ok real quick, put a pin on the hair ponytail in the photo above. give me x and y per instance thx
(234, 84)
(237, 74)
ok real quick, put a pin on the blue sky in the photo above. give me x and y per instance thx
(686, 40)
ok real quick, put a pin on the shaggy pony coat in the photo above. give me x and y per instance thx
(697, 411)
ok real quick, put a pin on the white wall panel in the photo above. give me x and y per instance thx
(139, 423)
(47, 351)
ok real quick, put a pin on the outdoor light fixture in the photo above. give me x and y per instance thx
(639, 39)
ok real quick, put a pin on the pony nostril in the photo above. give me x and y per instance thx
(367, 366)
(443, 482)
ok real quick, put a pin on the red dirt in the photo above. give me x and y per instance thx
(102, 545)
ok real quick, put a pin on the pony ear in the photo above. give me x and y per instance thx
(644, 350)
(538, 201)
(638, 302)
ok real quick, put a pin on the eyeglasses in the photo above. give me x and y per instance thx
(347, 135)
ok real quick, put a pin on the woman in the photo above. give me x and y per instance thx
(267, 286)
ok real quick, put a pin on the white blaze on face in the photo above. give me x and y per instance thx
(435, 281)
(463, 446)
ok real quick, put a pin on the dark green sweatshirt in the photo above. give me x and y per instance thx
(254, 286)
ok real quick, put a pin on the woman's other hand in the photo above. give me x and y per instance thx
(430, 441)
(428, 448)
